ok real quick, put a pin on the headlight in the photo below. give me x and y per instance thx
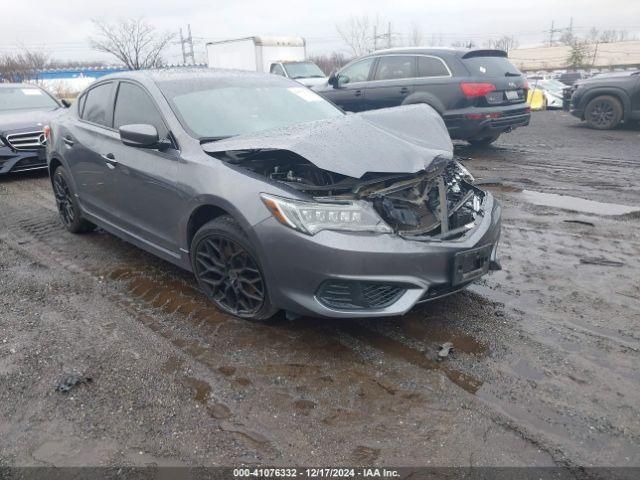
(463, 172)
(312, 217)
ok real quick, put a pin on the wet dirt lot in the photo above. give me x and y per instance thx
(544, 372)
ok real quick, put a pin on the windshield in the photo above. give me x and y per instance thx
(25, 98)
(491, 67)
(223, 111)
(303, 70)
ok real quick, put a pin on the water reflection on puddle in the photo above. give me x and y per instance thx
(575, 204)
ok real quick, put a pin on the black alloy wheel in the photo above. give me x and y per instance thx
(64, 200)
(230, 275)
(603, 113)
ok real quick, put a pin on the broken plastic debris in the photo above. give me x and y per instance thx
(67, 382)
(444, 350)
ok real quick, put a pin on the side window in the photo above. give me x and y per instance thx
(392, 67)
(133, 105)
(358, 72)
(81, 101)
(97, 105)
(431, 67)
(277, 69)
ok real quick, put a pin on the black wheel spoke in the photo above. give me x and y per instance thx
(64, 200)
(230, 275)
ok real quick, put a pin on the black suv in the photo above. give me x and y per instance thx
(478, 93)
(25, 109)
(607, 99)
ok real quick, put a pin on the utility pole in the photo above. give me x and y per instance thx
(389, 36)
(551, 35)
(188, 42)
(375, 38)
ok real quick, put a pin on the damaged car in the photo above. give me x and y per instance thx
(273, 197)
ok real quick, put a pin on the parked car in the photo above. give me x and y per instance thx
(24, 110)
(608, 99)
(569, 78)
(478, 93)
(551, 89)
(271, 195)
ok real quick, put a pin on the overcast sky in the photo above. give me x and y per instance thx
(62, 27)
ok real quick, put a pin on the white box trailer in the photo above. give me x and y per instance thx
(255, 53)
(284, 56)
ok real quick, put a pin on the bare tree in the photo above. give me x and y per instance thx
(463, 44)
(330, 62)
(134, 42)
(436, 40)
(23, 66)
(358, 34)
(505, 43)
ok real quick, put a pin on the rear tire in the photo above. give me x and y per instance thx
(603, 112)
(227, 269)
(68, 208)
(484, 141)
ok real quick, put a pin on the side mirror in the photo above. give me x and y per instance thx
(333, 80)
(140, 136)
(65, 103)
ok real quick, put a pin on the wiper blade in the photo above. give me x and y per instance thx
(511, 74)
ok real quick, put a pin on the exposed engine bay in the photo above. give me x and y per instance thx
(437, 203)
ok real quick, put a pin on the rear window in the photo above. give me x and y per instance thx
(490, 66)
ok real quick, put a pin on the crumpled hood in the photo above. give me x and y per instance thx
(27, 119)
(393, 140)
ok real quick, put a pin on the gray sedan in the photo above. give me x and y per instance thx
(273, 197)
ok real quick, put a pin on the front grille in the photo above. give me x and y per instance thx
(354, 295)
(27, 140)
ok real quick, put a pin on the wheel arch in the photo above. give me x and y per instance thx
(617, 93)
(426, 98)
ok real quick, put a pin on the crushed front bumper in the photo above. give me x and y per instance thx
(21, 161)
(299, 267)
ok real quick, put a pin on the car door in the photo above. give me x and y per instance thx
(392, 81)
(353, 80)
(88, 137)
(277, 69)
(146, 179)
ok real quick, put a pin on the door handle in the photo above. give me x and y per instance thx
(404, 91)
(110, 160)
(68, 141)
(357, 93)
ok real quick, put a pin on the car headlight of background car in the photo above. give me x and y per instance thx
(312, 217)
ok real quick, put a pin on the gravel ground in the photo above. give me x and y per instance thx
(546, 351)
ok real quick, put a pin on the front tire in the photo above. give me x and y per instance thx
(227, 269)
(484, 141)
(68, 208)
(603, 113)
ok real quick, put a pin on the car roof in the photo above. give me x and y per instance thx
(452, 51)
